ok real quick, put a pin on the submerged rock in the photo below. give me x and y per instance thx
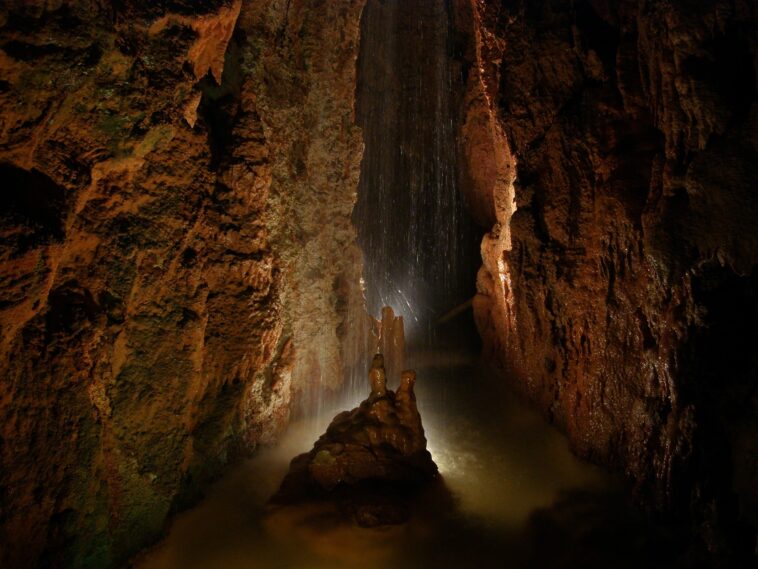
(371, 461)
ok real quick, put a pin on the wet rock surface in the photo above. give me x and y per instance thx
(619, 282)
(159, 165)
(371, 461)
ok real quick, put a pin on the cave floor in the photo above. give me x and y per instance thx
(519, 499)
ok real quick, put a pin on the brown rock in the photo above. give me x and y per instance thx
(392, 342)
(162, 201)
(371, 460)
(620, 295)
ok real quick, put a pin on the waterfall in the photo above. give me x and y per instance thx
(419, 244)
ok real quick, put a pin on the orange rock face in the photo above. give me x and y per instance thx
(169, 257)
(619, 290)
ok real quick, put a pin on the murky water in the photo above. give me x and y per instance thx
(519, 499)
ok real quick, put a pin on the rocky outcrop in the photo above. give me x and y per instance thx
(167, 278)
(619, 291)
(371, 461)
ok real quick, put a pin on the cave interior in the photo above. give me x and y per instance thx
(215, 213)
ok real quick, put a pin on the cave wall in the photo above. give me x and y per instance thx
(612, 146)
(177, 183)
(619, 290)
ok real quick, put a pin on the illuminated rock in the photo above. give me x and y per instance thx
(371, 460)
(392, 342)
(378, 377)
(625, 280)
(160, 314)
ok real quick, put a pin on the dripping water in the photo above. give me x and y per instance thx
(420, 245)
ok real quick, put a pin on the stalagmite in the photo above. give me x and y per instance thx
(371, 460)
(377, 377)
(392, 342)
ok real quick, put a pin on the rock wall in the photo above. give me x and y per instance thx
(303, 80)
(613, 147)
(177, 183)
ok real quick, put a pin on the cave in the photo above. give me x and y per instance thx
(503, 253)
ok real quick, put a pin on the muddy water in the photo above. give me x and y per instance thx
(517, 498)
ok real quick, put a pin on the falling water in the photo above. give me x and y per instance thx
(420, 246)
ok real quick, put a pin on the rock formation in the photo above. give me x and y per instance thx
(371, 460)
(392, 342)
(167, 277)
(612, 148)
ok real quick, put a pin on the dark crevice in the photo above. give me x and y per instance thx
(219, 105)
(32, 208)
